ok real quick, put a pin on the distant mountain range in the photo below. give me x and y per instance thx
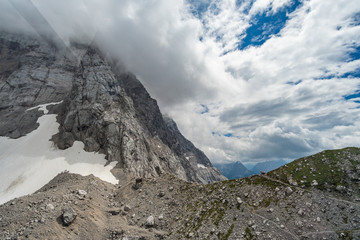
(237, 170)
(233, 170)
(267, 166)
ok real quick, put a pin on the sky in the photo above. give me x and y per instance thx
(245, 80)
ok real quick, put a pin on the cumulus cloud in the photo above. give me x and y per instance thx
(260, 6)
(282, 99)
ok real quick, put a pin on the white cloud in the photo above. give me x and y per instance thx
(261, 6)
(225, 22)
(268, 97)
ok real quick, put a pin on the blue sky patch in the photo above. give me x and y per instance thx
(246, 10)
(225, 135)
(354, 54)
(356, 94)
(352, 74)
(356, 19)
(294, 83)
(198, 8)
(205, 109)
(264, 26)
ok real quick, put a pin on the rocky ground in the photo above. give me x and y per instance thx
(258, 207)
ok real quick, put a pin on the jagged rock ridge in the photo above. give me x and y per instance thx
(109, 111)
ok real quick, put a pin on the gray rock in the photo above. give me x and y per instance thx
(68, 215)
(340, 188)
(82, 192)
(288, 190)
(314, 183)
(292, 182)
(301, 212)
(150, 221)
(50, 206)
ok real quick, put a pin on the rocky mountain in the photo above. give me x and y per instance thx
(106, 109)
(316, 197)
(267, 166)
(233, 170)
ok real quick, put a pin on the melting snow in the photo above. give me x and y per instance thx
(200, 166)
(29, 162)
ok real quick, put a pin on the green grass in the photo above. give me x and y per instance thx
(248, 234)
(348, 235)
(225, 236)
(258, 180)
(327, 166)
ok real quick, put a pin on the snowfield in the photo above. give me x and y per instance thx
(200, 166)
(29, 162)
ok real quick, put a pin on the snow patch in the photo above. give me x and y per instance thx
(200, 166)
(29, 162)
(43, 107)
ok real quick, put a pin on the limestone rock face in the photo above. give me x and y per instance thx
(109, 111)
(31, 73)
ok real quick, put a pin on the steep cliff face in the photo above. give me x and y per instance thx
(110, 112)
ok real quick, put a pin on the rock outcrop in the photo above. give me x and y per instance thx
(109, 111)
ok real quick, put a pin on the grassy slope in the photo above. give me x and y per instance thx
(330, 169)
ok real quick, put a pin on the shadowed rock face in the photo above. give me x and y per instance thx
(111, 112)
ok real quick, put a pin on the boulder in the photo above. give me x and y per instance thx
(150, 221)
(68, 215)
(127, 208)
